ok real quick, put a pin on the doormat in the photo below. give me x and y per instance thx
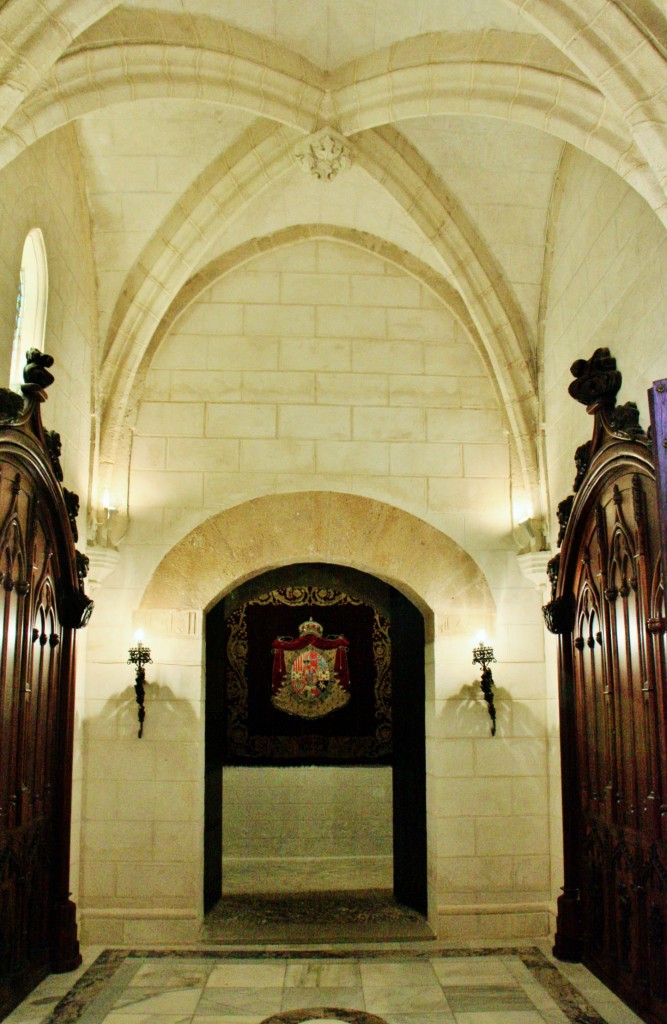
(360, 915)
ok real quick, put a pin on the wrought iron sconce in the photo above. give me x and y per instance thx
(140, 656)
(483, 655)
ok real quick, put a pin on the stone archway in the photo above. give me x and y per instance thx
(296, 803)
(431, 569)
(426, 566)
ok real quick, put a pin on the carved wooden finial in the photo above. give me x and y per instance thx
(625, 420)
(596, 380)
(596, 384)
(36, 374)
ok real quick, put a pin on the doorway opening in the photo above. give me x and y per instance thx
(315, 781)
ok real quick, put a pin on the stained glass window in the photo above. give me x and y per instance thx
(31, 302)
(19, 311)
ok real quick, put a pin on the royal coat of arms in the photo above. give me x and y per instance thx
(310, 673)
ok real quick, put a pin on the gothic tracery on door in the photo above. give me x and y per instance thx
(42, 604)
(608, 607)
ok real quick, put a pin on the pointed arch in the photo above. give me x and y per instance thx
(34, 35)
(497, 74)
(262, 155)
(620, 55)
(116, 438)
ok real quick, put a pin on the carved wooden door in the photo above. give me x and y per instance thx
(612, 620)
(618, 686)
(41, 603)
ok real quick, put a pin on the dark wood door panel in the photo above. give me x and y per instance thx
(608, 606)
(42, 603)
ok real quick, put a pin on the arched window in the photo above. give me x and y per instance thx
(30, 304)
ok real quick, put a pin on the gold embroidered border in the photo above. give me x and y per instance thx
(240, 742)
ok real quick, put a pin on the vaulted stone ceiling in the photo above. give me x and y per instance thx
(459, 114)
(331, 34)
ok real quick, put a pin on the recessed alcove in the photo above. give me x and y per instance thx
(311, 798)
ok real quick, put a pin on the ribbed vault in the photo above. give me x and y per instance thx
(263, 154)
(514, 80)
(617, 53)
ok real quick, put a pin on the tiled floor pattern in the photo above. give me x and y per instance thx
(386, 986)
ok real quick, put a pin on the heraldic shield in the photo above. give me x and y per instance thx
(310, 673)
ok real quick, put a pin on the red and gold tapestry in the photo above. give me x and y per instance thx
(307, 679)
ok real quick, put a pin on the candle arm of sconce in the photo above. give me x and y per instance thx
(140, 656)
(482, 655)
(140, 693)
(487, 690)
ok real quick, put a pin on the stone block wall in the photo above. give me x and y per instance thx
(320, 366)
(319, 402)
(304, 829)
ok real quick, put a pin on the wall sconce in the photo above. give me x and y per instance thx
(483, 655)
(140, 656)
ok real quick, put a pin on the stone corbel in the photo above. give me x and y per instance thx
(533, 565)
(102, 562)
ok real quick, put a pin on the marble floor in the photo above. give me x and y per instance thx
(394, 984)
